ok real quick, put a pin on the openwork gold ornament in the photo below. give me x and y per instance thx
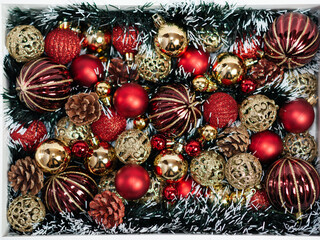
(211, 40)
(25, 43)
(25, 212)
(154, 192)
(107, 183)
(243, 171)
(258, 112)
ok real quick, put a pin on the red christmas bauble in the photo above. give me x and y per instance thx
(248, 86)
(248, 47)
(266, 146)
(194, 61)
(132, 182)
(80, 149)
(292, 40)
(188, 186)
(297, 116)
(87, 70)
(43, 86)
(170, 193)
(220, 110)
(259, 201)
(130, 100)
(292, 185)
(193, 148)
(158, 142)
(109, 126)
(62, 45)
(125, 39)
(173, 110)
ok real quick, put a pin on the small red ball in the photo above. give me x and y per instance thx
(248, 86)
(259, 201)
(297, 116)
(130, 100)
(125, 39)
(80, 149)
(193, 148)
(170, 193)
(158, 142)
(187, 187)
(132, 182)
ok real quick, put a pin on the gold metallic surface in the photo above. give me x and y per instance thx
(208, 133)
(141, 122)
(96, 39)
(103, 89)
(200, 83)
(219, 194)
(211, 40)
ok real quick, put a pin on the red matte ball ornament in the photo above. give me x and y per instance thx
(188, 186)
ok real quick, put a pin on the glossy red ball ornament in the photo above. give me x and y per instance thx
(297, 116)
(158, 142)
(132, 181)
(193, 148)
(292, 185)
(220, 110)
(248, 86)
(170, 193)
(194, 61)
(130, 100)
(87, 70)
(187, 187)
(125, 39)
(266, 146)
(259, 201)
(80, 149)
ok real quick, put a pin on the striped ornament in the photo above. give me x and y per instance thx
(43, 86)
(292, 40)
(293, 185)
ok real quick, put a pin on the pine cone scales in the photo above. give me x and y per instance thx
(119, 72)
(26, 176)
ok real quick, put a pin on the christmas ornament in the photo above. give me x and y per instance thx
(193, 148)
(243, 171)
(43, 86)
(154, 191)
(170, 193)
(173, 110)
(120, 73)
(237, 198)
(25, 43)
(208, 168)
(219, 194)
(140, 122)
(208, 133)
(297, 116)
(220, 110)
(103, 90)
(69, 191)
(25, 212)
(170, 39)
(62, 45)
(200, 83)
(65, 24)
(97, 39)
(130, 100)
(258, 112)
(248, 47)
(107, 183)
(80, 149)
(292, 185)
(187, 187)
(87, 70)
(26, 176)
(158, 142)
(52, 156)
(211, 40)
(292, 40)
(132, 182)
(259, 201)
(248, 86)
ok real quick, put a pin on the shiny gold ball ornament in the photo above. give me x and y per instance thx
(171, 39)
(243, 171)
(140, 122)
(207, 169)
(211, 40)
(208, 133)
(103, 90)
(219, 194)
(25, 212)
(97, 40)
(133, 146)
(25, 43)
(258, 112)
(200, 83)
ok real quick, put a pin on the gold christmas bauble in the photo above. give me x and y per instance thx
(219, 194)
(211, 40)
(141, 122)
(103, 89)
(212, 86)
(25, 212)
(258, 112)
(154, 192)
(133, 146)
(238, 198)
(52, 156)
(98, 40)
(200, 83)
(243, 171)
(107, 183)
(25, 43)
(207, 169)
(208, 133)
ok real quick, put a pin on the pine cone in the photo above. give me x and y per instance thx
(106, 208)
(119, 72)
(26, 176)
(233, 140)
(83, 108)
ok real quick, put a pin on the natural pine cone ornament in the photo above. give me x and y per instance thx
(107, 209)
(83, 108)
(26, 176)
(120, 73)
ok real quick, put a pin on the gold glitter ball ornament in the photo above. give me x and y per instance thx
(211, 40)
(258, 112)
(25, 43)
(243, 171)
(25, 212)
(208, 133)
(208, 168)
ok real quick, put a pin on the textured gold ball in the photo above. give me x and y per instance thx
(25, 43)
(107, 183)
(243, 171)
(258, 113)
(103, 89)
(211, 40)
(200, 83)
(208, 168)
(140, 122)
(25, 212)
(154, 192)
(208, 133)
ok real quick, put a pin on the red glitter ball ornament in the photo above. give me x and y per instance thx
(259, 201)
(62, 45)
(170, 193)
(248, 86)
(193, 148)
(158, 142)
(125, 39)
(80, 149)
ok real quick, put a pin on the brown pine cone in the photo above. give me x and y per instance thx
(26, 176)
(83, 108)
(233, 140)
(119, 72)
(107, 209)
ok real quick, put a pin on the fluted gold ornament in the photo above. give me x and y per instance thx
(211, 40)
(208, 133)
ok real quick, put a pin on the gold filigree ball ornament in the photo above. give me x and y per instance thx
(133, 146)
(300, 145)
(258, 112)
(243, 171)
(208, 168)
(219, 194)
(208, 133)
(211, 40)
(25, 43)
(141, 122)
(202, 83)
(25, 212)
(155, 189)
(107, 183)
(171, 39)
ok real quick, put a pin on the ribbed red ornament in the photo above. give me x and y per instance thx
(43, 86)
(125, 39)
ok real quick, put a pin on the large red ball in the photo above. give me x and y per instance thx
(266, 146)
(130, 100)
(132, 182)
(297, 116)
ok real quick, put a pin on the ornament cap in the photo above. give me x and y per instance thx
(158, 20)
